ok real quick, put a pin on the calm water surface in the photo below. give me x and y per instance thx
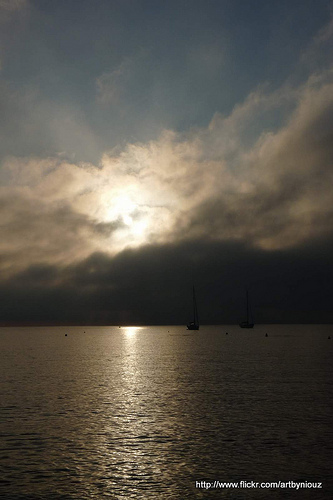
(122, 413)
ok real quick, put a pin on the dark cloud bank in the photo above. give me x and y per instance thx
(152, 285)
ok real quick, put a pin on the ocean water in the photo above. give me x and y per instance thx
(163, 413)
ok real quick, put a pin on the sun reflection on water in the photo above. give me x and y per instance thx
(131, 331)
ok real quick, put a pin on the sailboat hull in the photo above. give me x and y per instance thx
(192, 327)
(246, 325)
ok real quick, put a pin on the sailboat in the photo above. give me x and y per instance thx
(194, 325)
(249, 321)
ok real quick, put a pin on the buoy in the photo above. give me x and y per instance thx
(65, 334)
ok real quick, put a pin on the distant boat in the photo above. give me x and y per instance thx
(194, 325)
(249, 321)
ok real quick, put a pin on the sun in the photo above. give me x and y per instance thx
(137, 214)
(120, 205)
(131, 217)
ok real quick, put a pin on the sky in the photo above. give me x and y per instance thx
(148, 146)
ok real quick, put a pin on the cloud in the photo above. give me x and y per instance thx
(32, 124)
(11, 6)
(38, 217)
(321, 40)
(231, 181)
(110, 85)
(234, 180)
(260, 176)
(153, 284)
(119, 86)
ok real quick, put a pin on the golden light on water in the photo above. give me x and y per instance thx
(131, 331)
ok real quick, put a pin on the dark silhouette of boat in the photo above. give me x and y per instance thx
(194, 325)
(249, 321)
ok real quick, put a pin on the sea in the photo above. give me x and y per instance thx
(159, 412)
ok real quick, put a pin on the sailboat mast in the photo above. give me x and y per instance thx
(195, 312)
(249, 321)
(194, 325)
(247, 305)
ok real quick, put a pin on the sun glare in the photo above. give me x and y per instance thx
(127, 219)
(131, 331)
(122, 206)
(131, 217)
